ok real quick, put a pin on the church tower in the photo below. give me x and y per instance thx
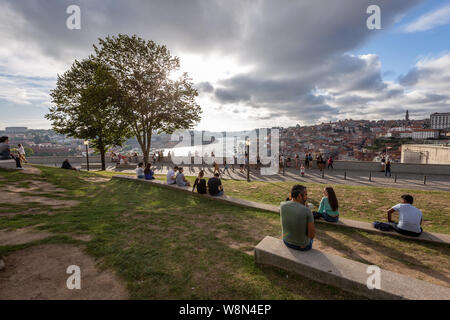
(407, 116)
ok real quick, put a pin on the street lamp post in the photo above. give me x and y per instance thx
(247, 143)
(86, 143)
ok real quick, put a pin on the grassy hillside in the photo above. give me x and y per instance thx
(169, 245)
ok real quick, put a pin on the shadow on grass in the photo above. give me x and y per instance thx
(403, 258)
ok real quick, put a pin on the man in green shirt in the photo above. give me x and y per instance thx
(297, 220)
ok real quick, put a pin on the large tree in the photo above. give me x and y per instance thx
(156, 100)
(87, 105)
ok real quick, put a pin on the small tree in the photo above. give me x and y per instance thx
(88, 103)
(155, 101)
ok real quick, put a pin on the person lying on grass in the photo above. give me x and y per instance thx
(328, 208)
(297, 221)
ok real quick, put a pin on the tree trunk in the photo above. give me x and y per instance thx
(102, 156)
(146, 156)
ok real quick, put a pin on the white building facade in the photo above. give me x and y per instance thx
(440, 121)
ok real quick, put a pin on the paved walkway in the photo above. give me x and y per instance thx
(358, 178)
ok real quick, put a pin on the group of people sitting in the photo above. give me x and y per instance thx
(213, 186)
(297, 218)
(147, 173)
(176, 176)
(5, 152)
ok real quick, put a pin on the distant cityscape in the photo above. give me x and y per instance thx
(363, 140)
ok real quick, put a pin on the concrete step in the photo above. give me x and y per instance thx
(8, 164)
(346, 223)
(345, 274)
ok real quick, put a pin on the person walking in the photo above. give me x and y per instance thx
(388, 168)
(330, 163)
(383, 164)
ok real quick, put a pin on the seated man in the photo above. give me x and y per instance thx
(215, 186)
(409, 217)
(5, 154)
(171, 175)
(181, 179)
(297, 220)
(66, 165)
(140, 171)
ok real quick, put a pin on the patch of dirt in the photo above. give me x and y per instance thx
(30, 169)
(39, 273)
(28, 211)
(82, 237)
(96, 179)
(36, 187)
(21, 236)
(16, 198)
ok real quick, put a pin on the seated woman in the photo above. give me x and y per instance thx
(328, 208)
(200, 183)
(148, 172)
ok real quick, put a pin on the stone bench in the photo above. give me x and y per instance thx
(93, 165)
(224, 198)
(8, 164)
(346, 223)
(349, 275)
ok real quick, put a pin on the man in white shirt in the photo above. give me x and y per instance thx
(171, 178)
(409, 217)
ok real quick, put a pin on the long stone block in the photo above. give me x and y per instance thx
(8, 164)
(349, 275)
(346, 223)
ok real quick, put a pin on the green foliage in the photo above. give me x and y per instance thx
(155, 101)
(28, 151)
(87, 105)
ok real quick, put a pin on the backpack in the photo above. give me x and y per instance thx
(383, 226)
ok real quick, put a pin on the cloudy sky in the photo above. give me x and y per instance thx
(257, 63)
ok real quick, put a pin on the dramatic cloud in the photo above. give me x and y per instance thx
(255, 63)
